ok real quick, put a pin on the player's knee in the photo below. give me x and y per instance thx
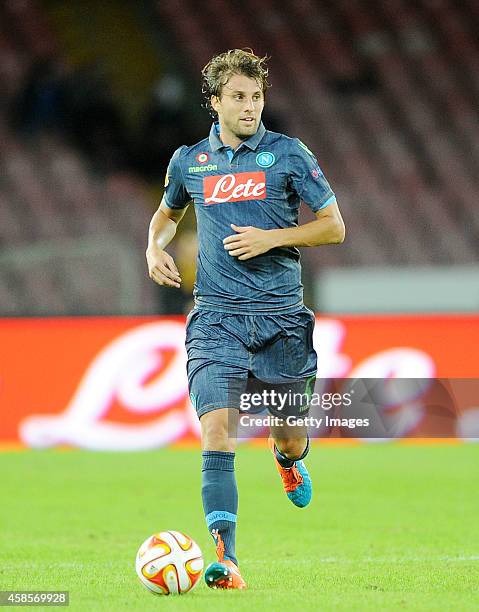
(291, 447)
(215, 432)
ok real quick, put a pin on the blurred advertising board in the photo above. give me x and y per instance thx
(119, 383)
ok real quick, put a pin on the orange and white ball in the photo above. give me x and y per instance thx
(169, 562)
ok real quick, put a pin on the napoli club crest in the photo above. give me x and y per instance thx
(265, 159)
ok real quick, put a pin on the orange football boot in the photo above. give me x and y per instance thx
(235, 580)
(296, 480)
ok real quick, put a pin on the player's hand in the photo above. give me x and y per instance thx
(249, 242)
(162, 268)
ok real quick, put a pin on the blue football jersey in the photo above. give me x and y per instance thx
(261, 183)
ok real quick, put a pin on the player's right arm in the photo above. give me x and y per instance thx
(161, 266)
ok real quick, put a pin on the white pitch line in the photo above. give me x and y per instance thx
(86, 564)
(458, 559)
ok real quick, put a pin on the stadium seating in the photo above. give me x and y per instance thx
(66, 233)
(385, 93)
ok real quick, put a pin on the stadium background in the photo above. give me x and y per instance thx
(95, 98)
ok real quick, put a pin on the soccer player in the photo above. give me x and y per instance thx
(249, 319)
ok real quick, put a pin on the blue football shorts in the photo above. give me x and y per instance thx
(224, 348)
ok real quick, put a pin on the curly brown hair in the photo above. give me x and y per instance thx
(219, 69)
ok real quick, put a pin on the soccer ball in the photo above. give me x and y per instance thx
(169, 562)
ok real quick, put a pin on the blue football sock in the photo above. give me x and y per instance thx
(285, 461)
(220, 497)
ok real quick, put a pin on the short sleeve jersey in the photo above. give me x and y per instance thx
(261, 183)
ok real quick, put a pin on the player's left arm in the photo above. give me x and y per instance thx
(327, 228)
(308, 181)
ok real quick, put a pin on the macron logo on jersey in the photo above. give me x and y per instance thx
(234, 187)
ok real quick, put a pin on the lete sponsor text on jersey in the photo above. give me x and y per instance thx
(234, 187)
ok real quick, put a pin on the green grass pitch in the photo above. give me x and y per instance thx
(391, 527)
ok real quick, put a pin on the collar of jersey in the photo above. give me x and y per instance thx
(252, 142)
